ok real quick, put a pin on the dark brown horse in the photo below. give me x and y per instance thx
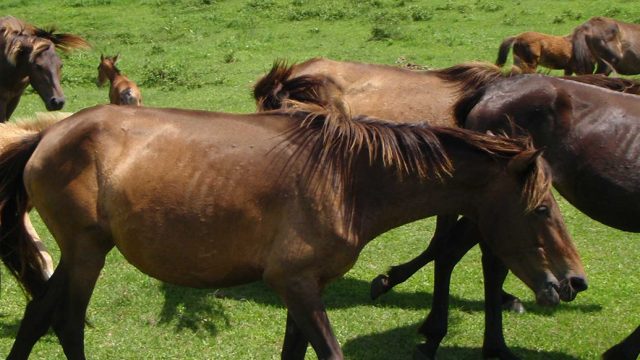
(591, 139)
(289, 197)
(28, 56)
(122, 90)
(531, 49)
(320, 80)
(613, 45)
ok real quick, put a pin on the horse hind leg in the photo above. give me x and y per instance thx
(47, 264)
(400, 273)
(38, 316)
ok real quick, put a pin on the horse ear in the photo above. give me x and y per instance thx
(101, 57)
(16, 48)
(116, 58)
(522, 162)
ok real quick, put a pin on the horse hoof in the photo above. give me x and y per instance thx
(379, 286)
(423, 352)
(514, 305)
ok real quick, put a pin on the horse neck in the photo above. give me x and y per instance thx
(384, 201)
(112, 73)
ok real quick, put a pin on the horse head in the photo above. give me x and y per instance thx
(535, 244)
(107, 66)
(45, 72)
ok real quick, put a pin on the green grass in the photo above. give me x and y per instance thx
(206, 54)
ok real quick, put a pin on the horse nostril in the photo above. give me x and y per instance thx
(56, 103)
(578, 283)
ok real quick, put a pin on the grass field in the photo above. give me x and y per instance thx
(206, 54)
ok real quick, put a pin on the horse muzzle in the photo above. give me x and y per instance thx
(549, 295)
(570, 287)
(55, 103)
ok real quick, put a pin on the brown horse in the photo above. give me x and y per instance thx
(614, 45)
(319, 80)
(531, 49)
(122, 91)
(28, 56)
(591, 140)
(289, 197)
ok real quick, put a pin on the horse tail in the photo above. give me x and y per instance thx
(271, 91)
(581, 57)
(17, 248)
(503, 51)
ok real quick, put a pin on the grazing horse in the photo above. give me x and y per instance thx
(531, 49)
(614, 45)
(290, 197)
(591, 139)
(28, 56)
(122, 91)
(423, 96)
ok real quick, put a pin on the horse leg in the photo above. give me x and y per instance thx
(301, 295)
(38, 316)
(295, 343)
(12, 104)
(628, 349)
(603, 68)
(495, 272)
(400, 273)
(462, 238)
(84, 266)
(48, 261)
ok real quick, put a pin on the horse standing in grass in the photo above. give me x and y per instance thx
(531, 49)
(122, 91)
(290, 197)
(321, 81)
(613, 45)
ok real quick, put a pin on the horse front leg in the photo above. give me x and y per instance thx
(495, 272)
(400, 273)
(295, 343)
(307, 319)
(628, 349)
(463, 237)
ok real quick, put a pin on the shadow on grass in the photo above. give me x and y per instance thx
(400, 342)
(8, 329)
(192, 309)
(196, 309)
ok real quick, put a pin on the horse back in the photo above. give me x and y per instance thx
(387, 92)
(170, 187)
(584, 129)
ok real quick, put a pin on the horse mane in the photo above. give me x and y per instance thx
(277, 86)
(334, 139)
(23, 126)
(11, 26)
(472, 75)
(622, 85)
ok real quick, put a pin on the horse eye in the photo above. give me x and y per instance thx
(542, 210)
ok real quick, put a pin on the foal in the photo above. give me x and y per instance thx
(123, 91)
